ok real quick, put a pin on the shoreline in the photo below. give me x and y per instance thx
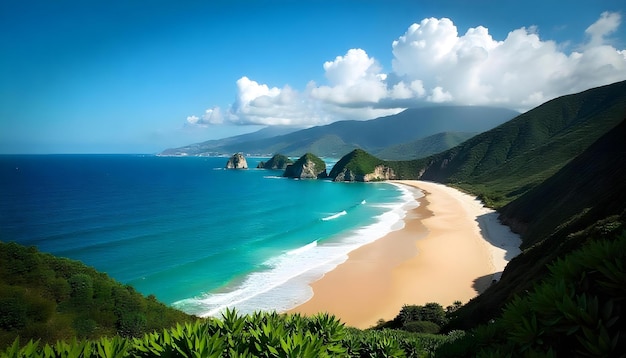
(450, 248)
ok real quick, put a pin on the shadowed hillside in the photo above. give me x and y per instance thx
(588, 190)
(507, 161)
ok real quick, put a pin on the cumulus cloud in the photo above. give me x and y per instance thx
(433, 63)
(354, 78)
(210, 116)
(519, 72)
(606, 25)
(259, 104)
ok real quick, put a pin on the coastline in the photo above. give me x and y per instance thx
(450, 248)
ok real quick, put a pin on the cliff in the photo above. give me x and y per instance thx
(307, 167)
(359, 165)
(278, 161)
(237, 161)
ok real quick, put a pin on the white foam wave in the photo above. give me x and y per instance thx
(273, 177)
(285, 282)
(335, 216)
(302, 249)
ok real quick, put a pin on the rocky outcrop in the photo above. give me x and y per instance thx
(237, 161)
(278, 161)
(307, 167)
(380, 173)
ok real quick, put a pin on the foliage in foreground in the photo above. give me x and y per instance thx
(576, 311)
(50, 298)
(256, 335)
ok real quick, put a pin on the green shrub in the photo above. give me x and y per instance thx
(576, 311)
(421, 327)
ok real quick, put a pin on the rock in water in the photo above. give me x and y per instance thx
(278, 161)
(237, 161)
(307, 167)
(359, 165)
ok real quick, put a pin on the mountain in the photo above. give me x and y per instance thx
(507, 161)
(338, 138)
(213, 147)
(359, 165)
(424, 147)
(572, 264)
(592, 185)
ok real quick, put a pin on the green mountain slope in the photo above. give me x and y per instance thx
(338, 138)
(592, 185)
(425, 146)
(358, 161)
(50, 298)
(505, 162)
(586, 199)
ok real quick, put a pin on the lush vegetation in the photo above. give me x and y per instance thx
(589, 187)
(502, 164)
(554, 217)
(257, 335)
(358, 162)
(556, 173)
(295, 170)
(278, 161)
(576, 311)
(424, 147)
(429, 318)
(49, 298)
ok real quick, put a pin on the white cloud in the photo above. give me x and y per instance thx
(519, 72)
(607, 24)
(193, 119)
(355, 78)
(259, 104)
(433, 63)
(210, 116)
(439, 96)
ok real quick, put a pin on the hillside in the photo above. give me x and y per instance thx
(591, 185)
(507, 161)
(213, 147)
(338, 138)
(50, 298)
(587, 195)
(359, 165)
(424, 147)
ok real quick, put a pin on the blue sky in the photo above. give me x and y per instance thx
(138, 77)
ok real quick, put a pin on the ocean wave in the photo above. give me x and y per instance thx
(335, 216)
(285, 280)
(303, 248)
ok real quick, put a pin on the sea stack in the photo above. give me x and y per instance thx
(359, 165)
(237, 161)
(278, 161)
(307, 167)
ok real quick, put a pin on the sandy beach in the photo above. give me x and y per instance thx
(451, 248)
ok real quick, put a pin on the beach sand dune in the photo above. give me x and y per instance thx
(451, 248)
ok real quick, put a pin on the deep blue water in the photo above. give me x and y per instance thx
(197, 236)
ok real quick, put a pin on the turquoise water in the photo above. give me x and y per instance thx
(197, 236)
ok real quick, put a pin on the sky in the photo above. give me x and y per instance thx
(141, 76)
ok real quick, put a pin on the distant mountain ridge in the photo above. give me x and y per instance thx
(339, 138)
(505, 162)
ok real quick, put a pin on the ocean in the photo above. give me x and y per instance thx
(197, 236)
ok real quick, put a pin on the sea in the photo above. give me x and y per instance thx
(199, 237)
